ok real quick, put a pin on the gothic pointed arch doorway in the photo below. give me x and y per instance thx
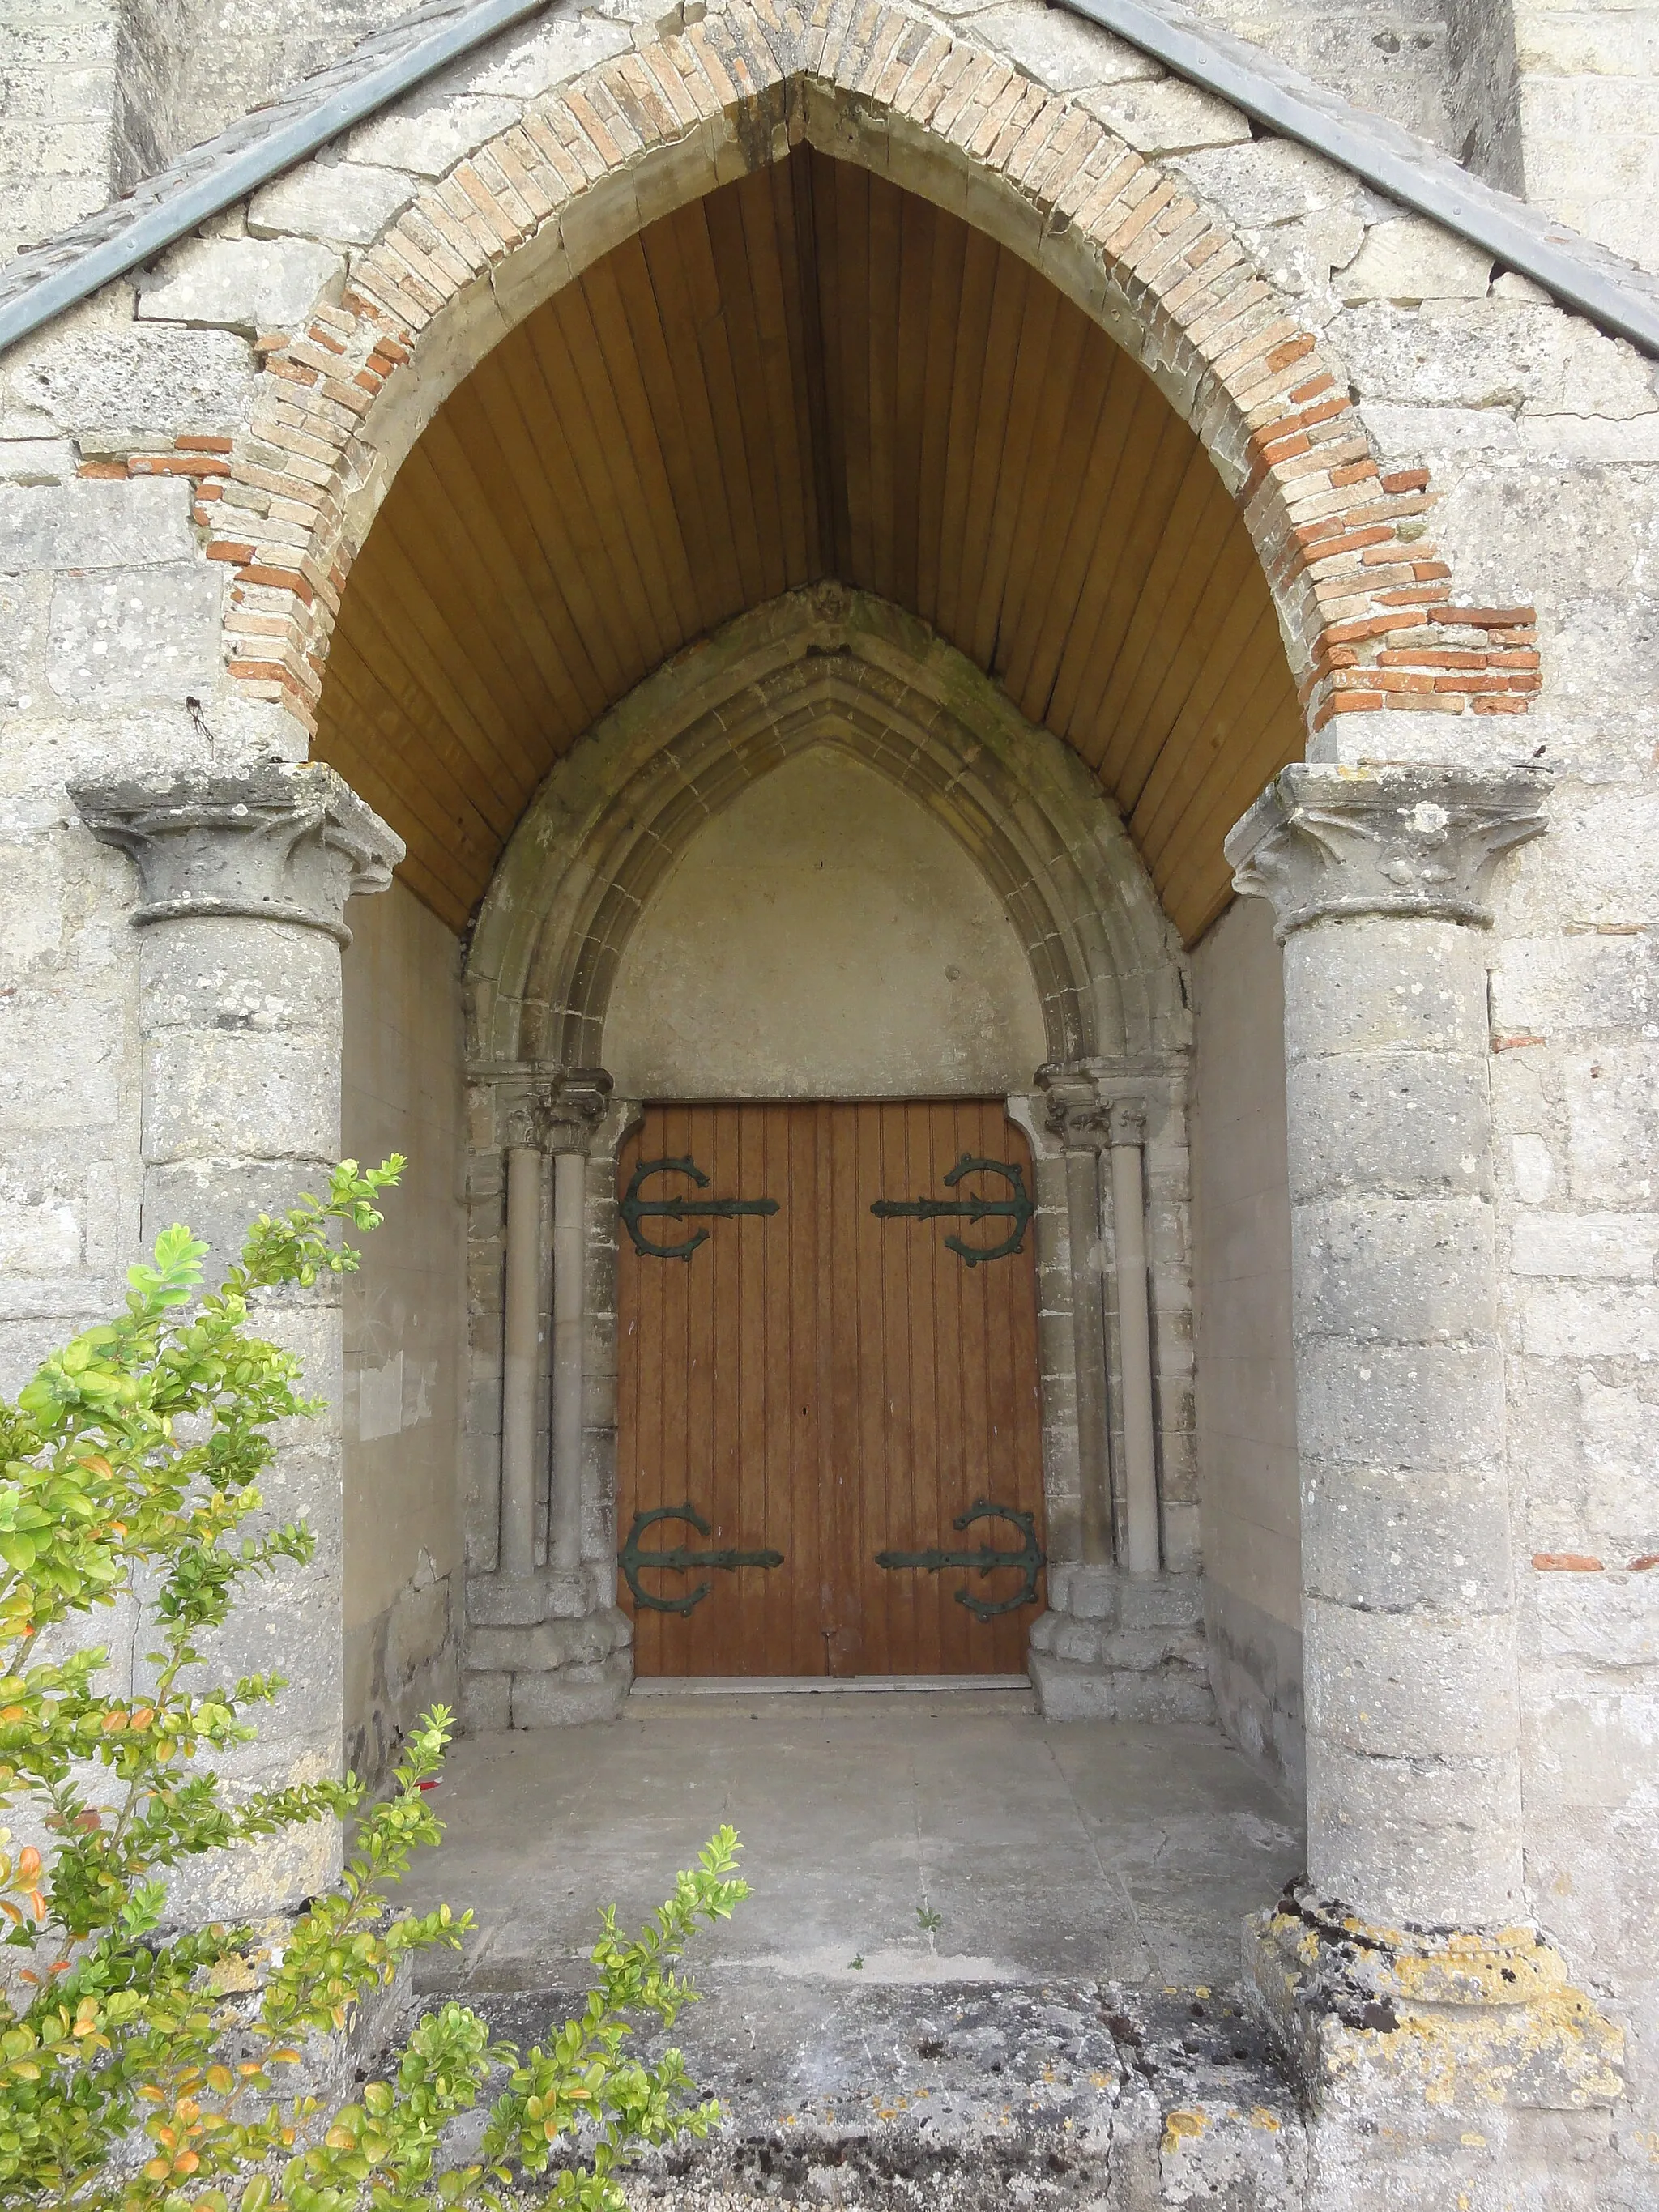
(828, 1379)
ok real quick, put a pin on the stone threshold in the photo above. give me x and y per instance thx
(818, 1686)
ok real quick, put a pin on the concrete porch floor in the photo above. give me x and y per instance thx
(1078, 1848)
(1088, 1881)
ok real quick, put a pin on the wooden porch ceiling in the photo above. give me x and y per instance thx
(811, 373)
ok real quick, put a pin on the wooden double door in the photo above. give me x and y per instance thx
(826, 1368)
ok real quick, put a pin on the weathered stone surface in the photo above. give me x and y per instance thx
(1539, 431)
(82, 524)
(1167, 117)
(245, 284)
(282, 845)
(117, 382)
(1412, 259)
(118, 634)
(349, 202)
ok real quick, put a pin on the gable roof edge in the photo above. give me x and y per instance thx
(1575, 269)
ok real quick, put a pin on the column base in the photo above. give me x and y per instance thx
(541, 1652)
(1120, 1647)
(1439, 2067)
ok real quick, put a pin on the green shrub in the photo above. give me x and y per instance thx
(130, 1466)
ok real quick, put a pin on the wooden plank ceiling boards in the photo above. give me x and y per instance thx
(811, 373)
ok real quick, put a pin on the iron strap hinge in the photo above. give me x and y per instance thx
(984, 1559)
(680, 1559)
(635, 1209)
(1017, 1208)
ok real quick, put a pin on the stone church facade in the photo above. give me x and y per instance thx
(569, 563)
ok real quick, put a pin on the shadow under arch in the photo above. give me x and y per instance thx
(819, 666)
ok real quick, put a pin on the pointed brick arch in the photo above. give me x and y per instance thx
(1365, 605)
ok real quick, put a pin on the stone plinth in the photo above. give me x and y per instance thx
(1117, 1646)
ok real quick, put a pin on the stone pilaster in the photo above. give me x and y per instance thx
(1397, 1963)
(244, 882)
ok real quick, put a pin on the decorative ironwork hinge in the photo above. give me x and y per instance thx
(635, 1209)
(680, 1559)
(1017, 1208)
(986, 1560)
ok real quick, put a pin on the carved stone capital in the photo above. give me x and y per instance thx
(552, 1113)
(1075, 1111)
(574, 1106)
(1326, 842)
(1127, 1120)
(280, 843)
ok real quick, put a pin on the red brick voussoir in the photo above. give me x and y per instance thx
(1369, 608)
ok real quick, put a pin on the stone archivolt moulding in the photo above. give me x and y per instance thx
(281, 843)
(1326, 843)
(822, 665)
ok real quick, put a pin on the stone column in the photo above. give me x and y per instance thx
(521, 1350)
(1120, 1641)
(244, 882)
(545, 1643)
(1128, 1124)
(1414, 1886)
(1077, 1118)
(574, 1111)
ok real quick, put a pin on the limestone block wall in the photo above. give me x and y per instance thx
(1587, 99)
(57, 96)
(189, 68)
(405, 1327)
(1246, 1383)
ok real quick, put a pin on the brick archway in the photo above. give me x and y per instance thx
(1366, 606)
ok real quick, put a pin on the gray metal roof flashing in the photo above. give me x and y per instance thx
(48, 279)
